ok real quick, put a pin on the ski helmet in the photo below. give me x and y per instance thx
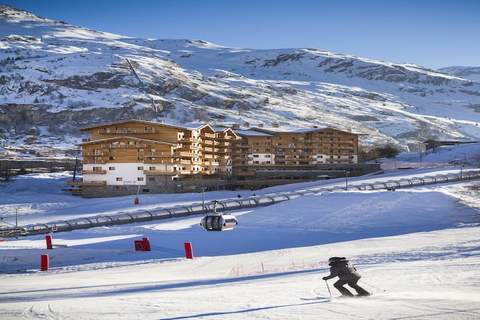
(333, 260)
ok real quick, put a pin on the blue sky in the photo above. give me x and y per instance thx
(434, 33)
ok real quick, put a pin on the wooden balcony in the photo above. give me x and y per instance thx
(161, 172)
(127, 131)
(87, 183)
(94, 172)
(211, 163)
(127, 146)
(185, 154)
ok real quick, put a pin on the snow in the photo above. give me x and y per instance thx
(465, 154)
(417, 250)
(201, 81)
(251, 133)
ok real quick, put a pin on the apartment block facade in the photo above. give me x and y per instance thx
(140, 153)
(295, 147)
(152, 157)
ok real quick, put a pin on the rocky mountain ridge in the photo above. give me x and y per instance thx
(56, 77)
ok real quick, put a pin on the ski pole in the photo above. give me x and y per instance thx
(328, 287)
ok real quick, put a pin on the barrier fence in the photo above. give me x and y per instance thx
(228, 204)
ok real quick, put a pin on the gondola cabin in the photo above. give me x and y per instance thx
(216, 222)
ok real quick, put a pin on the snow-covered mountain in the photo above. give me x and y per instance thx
(472, 73)
(56, 77)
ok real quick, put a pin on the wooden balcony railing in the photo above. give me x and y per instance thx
(94, 172)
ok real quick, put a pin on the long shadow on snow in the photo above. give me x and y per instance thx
(213, 314)
(7, 297)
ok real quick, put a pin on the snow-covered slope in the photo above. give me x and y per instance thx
(417, 251)
(56, 77)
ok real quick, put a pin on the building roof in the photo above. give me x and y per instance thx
(273, 130)
(289, 129)
(107, 124)
(126, 137)
(251, 133)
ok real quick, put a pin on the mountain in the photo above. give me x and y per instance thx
(472, 73)
(56, 77)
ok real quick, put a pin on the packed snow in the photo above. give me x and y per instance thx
(417, 250)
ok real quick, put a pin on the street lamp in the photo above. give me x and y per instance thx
(346, 179)
(203, 199)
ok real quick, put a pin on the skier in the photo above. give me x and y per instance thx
(347, 273)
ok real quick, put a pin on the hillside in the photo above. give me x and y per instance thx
(56, 77)
(471, 73)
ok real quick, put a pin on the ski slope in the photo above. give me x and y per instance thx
(420, 276)
(417, 249)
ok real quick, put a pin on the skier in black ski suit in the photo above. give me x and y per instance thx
(342, 268)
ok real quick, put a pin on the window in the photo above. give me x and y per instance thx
(146, 190)
(97, 169)
(111, 168)
(140, 179)
(152, 168)
(111, 158)
(151, 178)
(140, 168)
(255, 155)
(119, 179)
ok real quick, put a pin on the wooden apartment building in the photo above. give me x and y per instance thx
(135, 155)
(294, 148)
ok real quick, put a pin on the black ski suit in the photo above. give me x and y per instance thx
(347, 274)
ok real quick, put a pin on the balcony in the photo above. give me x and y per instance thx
(158, 155)
(94, 172)
(208, 142)
(185, 154)
(127, 131)
(92, 183)
(127, 146)
(161, 172)
(209, 135)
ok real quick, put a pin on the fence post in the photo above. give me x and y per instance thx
(146, 244)
(48, 240)
(44, 262)
(188, 250)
